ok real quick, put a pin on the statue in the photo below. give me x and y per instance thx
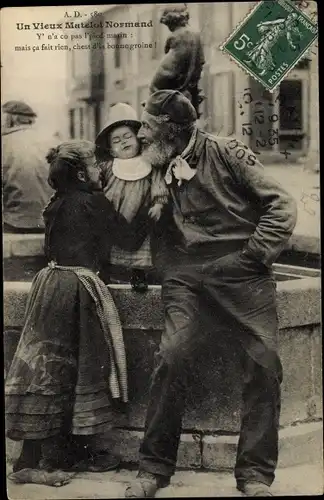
(182, 64)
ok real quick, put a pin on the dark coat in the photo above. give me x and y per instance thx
(96, 227)
(230, 203)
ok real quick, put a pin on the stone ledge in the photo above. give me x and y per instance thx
(217, 379)
(298, 304)
(23, 245)
(303, 243)
(127, 444)
(26, 245)
(300, 444)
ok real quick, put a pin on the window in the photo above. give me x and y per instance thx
(262, 113)
(72, 126)
(73, 64)
(145, 35)
(78, 123)
(80, 64)
(280, 120)
(117, 54)
(304, 63)
(222, 119)
(216, 24)
(156, 32)
(97, 118)
(222, 15)
(290, 109)
(81, 110)
(291, 115)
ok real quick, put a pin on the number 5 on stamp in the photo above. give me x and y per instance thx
(271, 40)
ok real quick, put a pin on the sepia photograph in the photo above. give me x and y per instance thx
(162, 331)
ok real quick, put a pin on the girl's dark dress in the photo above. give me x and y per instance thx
(59, 377)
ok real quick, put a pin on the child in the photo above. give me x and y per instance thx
(130, 184)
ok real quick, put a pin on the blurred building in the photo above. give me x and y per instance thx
(101, 76)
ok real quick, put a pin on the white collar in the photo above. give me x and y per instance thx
(185, 153)
(131, 169)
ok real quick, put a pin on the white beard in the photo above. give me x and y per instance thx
(158, 154)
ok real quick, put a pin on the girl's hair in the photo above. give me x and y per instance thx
(66, 160)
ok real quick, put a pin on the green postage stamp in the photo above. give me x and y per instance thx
(271, 40)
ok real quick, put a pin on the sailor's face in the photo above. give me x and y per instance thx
(157, 148)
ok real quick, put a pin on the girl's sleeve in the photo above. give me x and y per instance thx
(159, 189)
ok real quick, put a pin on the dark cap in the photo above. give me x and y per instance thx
(173, 104)
(18, 108)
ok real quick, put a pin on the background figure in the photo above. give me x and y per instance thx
(181, 67)
(25, 171)
(131, 185)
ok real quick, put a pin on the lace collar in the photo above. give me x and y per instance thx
(131, 169)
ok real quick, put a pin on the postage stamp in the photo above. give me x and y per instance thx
(271, 40)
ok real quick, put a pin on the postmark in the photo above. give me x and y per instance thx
(261, 123)
(271, 40)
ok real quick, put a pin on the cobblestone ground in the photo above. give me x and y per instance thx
(293, 481)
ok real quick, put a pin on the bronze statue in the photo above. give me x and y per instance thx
(182, 64)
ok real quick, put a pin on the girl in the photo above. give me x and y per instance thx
(69, 366)
(130, 184)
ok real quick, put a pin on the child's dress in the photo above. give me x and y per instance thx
(131, 184)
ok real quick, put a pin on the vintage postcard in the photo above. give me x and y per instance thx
(161, 250)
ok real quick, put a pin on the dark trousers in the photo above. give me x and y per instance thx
(241, 295)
